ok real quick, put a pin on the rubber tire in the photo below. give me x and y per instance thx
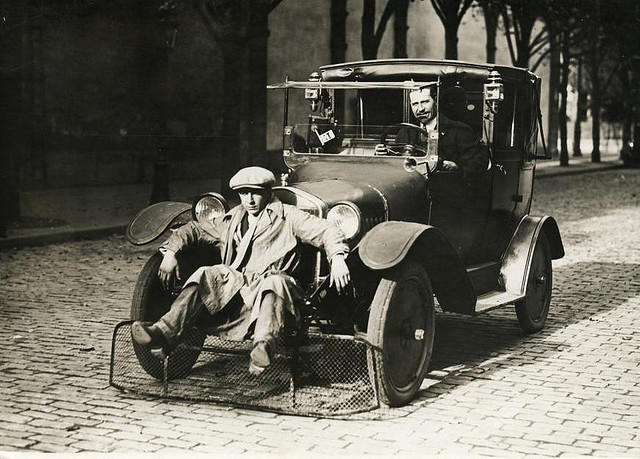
(532, 311)
(150, 302)
(404, 296)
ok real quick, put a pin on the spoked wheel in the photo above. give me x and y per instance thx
(150, 302)
(532, 311)
(402, 322)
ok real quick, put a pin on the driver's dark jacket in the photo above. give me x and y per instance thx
(457, 142)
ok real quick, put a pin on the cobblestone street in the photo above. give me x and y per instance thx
(572, 389)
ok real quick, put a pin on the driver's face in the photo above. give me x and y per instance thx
(423, 105)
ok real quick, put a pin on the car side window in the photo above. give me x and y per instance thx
(508, 121)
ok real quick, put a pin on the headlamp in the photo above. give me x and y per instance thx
(209, 206)
(347, 217)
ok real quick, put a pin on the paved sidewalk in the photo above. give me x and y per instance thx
(101, 211)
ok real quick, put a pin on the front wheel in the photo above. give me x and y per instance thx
(402, 323)
(532, 311)
(150, 302)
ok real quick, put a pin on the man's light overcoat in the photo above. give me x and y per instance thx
(265, 261)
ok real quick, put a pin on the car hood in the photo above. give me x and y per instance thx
(379, 190)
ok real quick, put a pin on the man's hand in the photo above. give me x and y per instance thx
(340, 276)
(168, 269)
(449, 165)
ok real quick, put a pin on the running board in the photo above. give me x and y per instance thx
(495, 299)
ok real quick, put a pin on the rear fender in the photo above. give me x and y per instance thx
(388, 244)
(517, 258)
(152, 221)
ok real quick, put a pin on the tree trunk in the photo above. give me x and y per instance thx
(577, 134)
(554, 83)
(564, 81)
(491, 27)
(451, 40)
(627, 122)
(338, 38)
(400, 29)
(595, 101)
(577, 128)
(368, 29)
(338, 43)
(524, 53)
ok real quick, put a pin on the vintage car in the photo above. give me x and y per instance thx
(417, 234)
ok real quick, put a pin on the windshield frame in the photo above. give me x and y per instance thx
(319, 86)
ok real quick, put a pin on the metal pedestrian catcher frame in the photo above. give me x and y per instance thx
(319, 375)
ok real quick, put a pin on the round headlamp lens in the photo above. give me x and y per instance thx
(209, 207)
(346, 218)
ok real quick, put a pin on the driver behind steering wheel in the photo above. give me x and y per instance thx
(458, 147)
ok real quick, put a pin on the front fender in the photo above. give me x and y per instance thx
(388, 244)
(152, 221)
(517, 258)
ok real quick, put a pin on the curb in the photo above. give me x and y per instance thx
(97, 233)
(560, 171)
(62, 236)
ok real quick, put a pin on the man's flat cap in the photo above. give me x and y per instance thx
(255, 177)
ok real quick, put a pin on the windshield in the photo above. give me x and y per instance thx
(347, 121)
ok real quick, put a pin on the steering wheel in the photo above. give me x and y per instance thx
(415, 150)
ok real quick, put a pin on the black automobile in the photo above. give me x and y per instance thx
(417, 233)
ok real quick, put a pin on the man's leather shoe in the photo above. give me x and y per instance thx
(260, 358)
(148, 335)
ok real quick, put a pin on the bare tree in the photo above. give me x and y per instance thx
(371, 35)
(491, 13)
(400, 28)
(620, 21)
(338, 44)
(554, 98)
(564, 81)
(595, 60)
(580, 108)
(519, 17)
(562, 20)
(338, 37)
(451, 13)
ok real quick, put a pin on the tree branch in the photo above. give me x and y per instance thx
(463, 9)
(540, 59)
(508, 34)
(437, 6)
(389, 9)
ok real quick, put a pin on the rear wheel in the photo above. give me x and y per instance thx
(150, 302)
(532, 311)
(402, 322)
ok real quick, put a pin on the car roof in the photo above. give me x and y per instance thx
(419, 69)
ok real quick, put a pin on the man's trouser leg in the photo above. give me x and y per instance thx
(184, 313)
(270, 322)
(268, 328)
